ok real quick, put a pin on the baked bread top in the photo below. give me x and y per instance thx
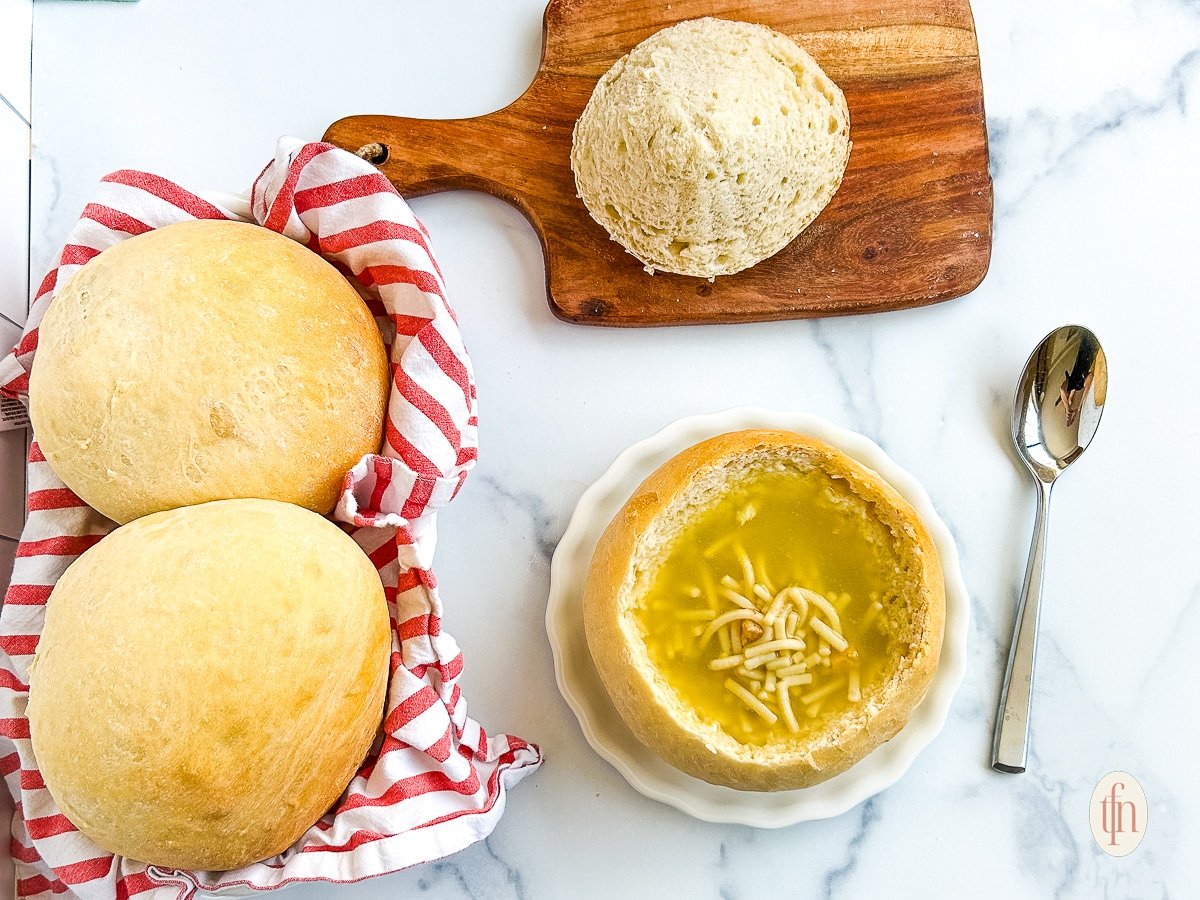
(208, 680)
(202, 361)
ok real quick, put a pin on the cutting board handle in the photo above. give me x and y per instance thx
(425, 156)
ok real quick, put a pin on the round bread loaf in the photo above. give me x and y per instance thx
(208, 680)
(203, 361)
(710, 146)
(656, 521)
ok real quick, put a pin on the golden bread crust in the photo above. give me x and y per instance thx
(202, 361)
(208, 680)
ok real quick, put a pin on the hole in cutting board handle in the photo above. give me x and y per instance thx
(374, 153)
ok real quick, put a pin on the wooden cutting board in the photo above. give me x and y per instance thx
(910, 225)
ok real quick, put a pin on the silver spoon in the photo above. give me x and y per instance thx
(1055, 414)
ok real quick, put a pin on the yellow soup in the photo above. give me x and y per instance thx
(765, 615)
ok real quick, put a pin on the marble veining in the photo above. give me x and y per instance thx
(544, 527)
(1052, 144)
(494, 878)
(857, 391)
(834, 877)
(1094, 125)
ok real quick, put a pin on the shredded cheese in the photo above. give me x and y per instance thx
(774, 646)
(725, 662)
(751, 701)
(796, 680)
(835, 639)
(753, 662)
(775, 608)
(825, 606)
(785, 707)
(722, 620)
(801, 602)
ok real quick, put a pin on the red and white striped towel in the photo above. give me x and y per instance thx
(435, 781)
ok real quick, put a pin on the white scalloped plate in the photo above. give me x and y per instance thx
(603, 727)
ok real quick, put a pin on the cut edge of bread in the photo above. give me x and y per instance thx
(682, 208)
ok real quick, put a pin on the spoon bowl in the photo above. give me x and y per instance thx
(1056, 412)
(1059, 399)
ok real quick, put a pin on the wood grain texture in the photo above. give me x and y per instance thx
(910, 225)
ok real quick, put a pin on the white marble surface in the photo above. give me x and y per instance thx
(1094, 116)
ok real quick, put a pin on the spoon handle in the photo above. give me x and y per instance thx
(1011, 745)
